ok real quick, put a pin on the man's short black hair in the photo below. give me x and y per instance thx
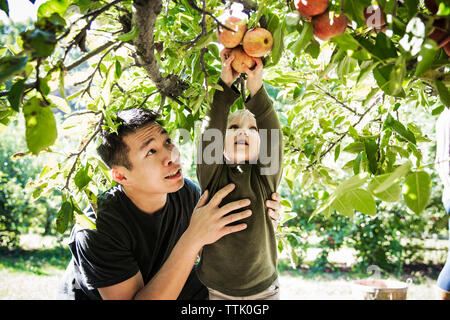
(113, 150)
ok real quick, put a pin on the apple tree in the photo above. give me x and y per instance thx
(347, 78)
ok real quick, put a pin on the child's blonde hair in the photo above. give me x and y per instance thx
(241, 113)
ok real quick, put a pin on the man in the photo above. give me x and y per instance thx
(151, 227)
(443, 169)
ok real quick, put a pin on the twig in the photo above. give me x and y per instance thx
(147, 97)
(97, 68)
(333, 144)
(94, 13)
(78, 154)
(89, 55)
(202, 62)
(337, 100)
(195, 7)
(38, 81)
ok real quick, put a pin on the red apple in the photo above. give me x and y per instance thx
(374, 17)
(309, 8)
(240, 59)
(257, 42)
(325, 29)
(228, 38)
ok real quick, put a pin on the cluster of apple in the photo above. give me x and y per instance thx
(317, 11)
(441, 28)
(244, 43)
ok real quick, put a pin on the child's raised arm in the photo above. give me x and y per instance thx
(259, 103)
(217, 115)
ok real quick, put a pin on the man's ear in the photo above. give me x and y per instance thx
(118, 174)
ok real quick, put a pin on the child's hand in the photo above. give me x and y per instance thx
(228, 74)
(273, 207)
(254, 77)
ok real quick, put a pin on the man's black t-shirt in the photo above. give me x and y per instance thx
(127, 240)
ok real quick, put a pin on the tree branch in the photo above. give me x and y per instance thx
(145, 14)
(333, 144)
(337, 100)
(89, 55)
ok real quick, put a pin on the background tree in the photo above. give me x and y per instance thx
(348, 101)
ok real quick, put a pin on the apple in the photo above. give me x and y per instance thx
(325, 29)
(374, 17)
(228, 38)
(309, 8)
(257, 42)
(241, 58)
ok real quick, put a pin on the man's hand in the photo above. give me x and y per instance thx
(228, 74)
(208, 222)
(254, 77)
(273, 207)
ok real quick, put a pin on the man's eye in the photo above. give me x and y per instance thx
(150, 152)
(169, 141)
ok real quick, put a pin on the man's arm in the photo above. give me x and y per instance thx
(208, 224)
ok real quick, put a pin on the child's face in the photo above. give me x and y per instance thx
(242, 139)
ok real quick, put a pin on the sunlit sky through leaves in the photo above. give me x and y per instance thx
(20, 10)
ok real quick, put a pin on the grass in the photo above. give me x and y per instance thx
(33, 272)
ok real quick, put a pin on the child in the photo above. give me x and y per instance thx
(242, 265)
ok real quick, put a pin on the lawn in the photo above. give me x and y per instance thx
(33, 272)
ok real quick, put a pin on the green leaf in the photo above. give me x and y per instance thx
(9, 66)
(417, 190)
(40, 42)
(304, 38)
(394, 177)
(391, 194)
(49, 7)
(355, 147)
(371, 149)
(64, 216)
(396, 77)
(382, 75)
(278, 35)
(362, 201)
(313, 49)
(82, 177)
(59, 102)
(15, 94)
(351, 183)
(426, 56)
(357, 163)
(40, 131)
(286, 203)
(337, 152)
(443, 91)
(384, 47)
(133, 33)
(412, 8)
(4, 6)
(398, 127)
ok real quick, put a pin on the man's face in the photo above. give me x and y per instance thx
(155, 161)
(241, 139)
